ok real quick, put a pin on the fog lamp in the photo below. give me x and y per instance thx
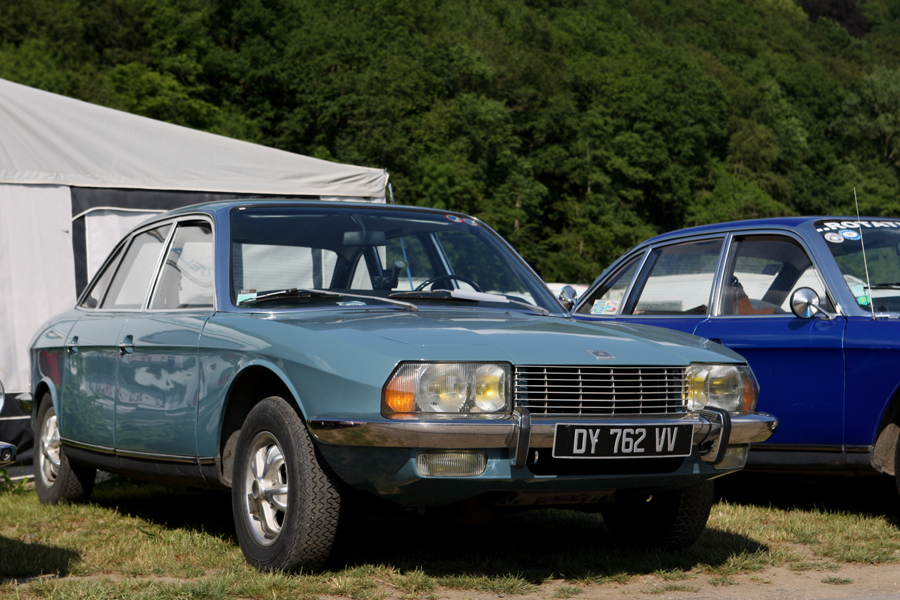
(735, 458)
(451, 464)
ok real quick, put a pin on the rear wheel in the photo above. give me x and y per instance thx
(55, 478)
(673, 519)
(285, 499)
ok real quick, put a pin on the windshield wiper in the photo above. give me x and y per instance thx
(315, 293)
(884, 286)
(469, 296)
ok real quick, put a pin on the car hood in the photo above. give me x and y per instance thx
(513, 337)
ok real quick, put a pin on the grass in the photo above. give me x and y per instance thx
(141, 541)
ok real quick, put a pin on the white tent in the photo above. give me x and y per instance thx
(75, 177)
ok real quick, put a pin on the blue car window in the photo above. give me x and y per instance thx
(132, 279)
(761, 274)
(607, 299)
(679, 279)
(186, 280)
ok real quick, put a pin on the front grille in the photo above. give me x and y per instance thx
(595, 391)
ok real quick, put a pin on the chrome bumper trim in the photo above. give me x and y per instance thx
(510, 432)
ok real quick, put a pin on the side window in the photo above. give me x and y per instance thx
(95, 295)
(186, 280)
(679, 279)
(761, 274)
(132, 279)
(607, 299)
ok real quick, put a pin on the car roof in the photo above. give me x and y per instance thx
(774, 223)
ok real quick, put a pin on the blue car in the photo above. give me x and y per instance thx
(305, 354)
(813, 304)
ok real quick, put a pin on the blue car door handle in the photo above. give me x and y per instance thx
(127, 345)
(72, 347)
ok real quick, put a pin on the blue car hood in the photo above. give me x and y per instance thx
(514, 337)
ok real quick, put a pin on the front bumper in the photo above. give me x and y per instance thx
(713, 431)
(7, 454)
(379, 455)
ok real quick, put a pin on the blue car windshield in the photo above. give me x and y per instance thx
(419, 257)
(881, 240)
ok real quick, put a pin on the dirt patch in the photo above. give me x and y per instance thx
(779, 583)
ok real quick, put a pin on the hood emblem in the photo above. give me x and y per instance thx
(600, 354)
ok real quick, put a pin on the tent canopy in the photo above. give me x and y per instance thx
(51, 139)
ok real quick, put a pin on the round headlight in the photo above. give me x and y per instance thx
(730, 387)
(490, 388)
(443, 388)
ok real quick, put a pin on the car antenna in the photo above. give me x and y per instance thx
(865, 263)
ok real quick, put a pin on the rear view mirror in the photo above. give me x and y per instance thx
(364, 238)
(805, 304)
(567, 296)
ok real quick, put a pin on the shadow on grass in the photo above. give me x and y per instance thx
(19, 559)
(172, 507)
(533, 545)
(872, 496)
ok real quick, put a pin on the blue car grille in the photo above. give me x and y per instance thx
(596, 391)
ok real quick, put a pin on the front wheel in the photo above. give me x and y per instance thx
(55, 478)
(673, 519)
(285, 499)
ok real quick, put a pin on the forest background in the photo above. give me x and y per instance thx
(575, 127)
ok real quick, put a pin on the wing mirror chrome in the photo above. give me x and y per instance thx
(805, 304)
(567, 296)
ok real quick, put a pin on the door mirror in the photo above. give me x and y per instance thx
(567, 296)
(805, 304)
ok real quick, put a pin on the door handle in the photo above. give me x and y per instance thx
(127, 345)
(716, 340)
(72, 347)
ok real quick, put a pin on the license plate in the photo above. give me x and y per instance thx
(615, 441)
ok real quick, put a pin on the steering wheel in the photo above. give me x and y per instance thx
(422, 285)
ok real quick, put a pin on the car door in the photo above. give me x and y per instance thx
(158, 371)
(87, 406)
(673, 286)
(799, 363)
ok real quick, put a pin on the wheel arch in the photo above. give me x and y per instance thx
(885, 452)
(254, 383)
(45, 386)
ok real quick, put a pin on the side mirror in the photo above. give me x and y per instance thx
(567, 296)
(805, 304)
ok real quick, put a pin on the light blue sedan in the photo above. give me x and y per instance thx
(301, 353)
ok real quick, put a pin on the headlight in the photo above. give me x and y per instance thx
(447, 389)
(731, 387)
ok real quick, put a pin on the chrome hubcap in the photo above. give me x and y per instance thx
(266, 482)
(48, 453)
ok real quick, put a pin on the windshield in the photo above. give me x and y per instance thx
(374, 252)
(845, 239)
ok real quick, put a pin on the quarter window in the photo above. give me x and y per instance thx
(132, 280)
(608, 298)
(680, 279)
(93, 297)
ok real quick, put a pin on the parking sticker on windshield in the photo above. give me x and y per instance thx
(604, 307)
(245, 295)
(454, 218)
(470, 222)
(834, 238)
(850, 234)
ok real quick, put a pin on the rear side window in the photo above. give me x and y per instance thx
(679, 279)
(132, 280)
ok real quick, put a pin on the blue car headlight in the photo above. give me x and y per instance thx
(467, 389)
(731, 387)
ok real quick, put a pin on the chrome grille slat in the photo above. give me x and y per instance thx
(600, 390)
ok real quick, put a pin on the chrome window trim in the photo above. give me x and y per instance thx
(131, 237)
